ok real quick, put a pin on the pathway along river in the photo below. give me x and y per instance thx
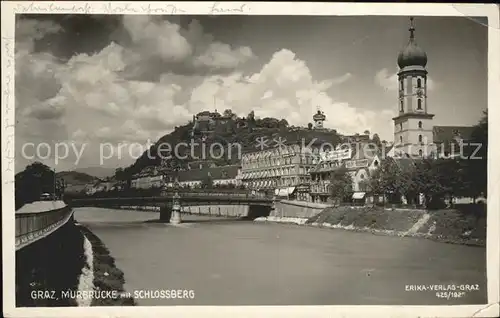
(232, 262)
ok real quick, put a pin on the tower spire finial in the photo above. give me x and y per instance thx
(412, 29)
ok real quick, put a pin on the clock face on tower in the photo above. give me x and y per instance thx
(420, 93)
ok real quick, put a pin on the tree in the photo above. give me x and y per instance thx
(228, 113)
(309, 126)
(36, 179)
(376, 140)
(283, 123)
(477, 167)
(340, 185)
(366, 132)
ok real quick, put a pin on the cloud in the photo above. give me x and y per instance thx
(342, 79)
(389, 81)
(106, 97)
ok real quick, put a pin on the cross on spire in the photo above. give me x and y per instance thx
(412, 29)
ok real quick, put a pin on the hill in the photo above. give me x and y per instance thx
(74, 177)
(99, 172)
(228, 138)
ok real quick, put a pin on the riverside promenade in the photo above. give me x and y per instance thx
(232, 262)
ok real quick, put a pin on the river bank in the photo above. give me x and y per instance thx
(106, 276)
(465, 227)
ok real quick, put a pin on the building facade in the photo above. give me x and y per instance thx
(359, 160)
(279, 168)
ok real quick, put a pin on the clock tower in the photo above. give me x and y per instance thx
(413, 124)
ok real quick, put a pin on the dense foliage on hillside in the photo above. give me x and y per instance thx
(235, 138)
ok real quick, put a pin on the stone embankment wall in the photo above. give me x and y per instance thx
(54, 270)
(464, 225)
(297, 209)
(229, 211)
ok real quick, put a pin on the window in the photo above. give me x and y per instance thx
(401, 87)
(419, 104)
(419, 83)
(401, 126)
(375, 163)
(419, 138)
(401, 139)
(401, 106)
(419, 124)
(420, 152)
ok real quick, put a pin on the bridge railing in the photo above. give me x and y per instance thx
(31, 227)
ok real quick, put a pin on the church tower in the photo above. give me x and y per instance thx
(413, 124)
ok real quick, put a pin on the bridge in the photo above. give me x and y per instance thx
(171, 204)
(37, 220)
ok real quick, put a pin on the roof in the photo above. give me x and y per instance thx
(448, 135)
(217, 173)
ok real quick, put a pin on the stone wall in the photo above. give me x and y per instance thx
(297, 209)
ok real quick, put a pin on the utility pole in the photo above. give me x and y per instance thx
(55, 186)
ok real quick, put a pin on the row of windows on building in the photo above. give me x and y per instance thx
(419, 105)
(276, 172)
(267, 162)
(277, 182)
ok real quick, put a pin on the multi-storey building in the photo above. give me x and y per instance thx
(219, 176)
(359, 159)
(279, 168)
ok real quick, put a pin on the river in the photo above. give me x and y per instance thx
(232, 262)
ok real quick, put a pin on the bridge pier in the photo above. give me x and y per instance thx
(176, 210)
(165, 213)
(171, 213)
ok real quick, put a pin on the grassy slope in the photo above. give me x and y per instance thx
(465, 226)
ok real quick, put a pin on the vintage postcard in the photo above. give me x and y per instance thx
(248, 159)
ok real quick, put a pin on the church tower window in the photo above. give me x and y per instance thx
(419, 83)
(420, 152)
(401, 139)
(401, 106)
(419, 104)
(419, 138)
(420, 124)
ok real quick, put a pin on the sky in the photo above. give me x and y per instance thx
(98, 81)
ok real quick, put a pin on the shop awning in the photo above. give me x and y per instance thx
(290, 190)
(358, 195)
(283, 192)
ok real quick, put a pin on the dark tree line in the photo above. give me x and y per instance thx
(35, 180)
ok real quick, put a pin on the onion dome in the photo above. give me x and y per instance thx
(412, 54)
